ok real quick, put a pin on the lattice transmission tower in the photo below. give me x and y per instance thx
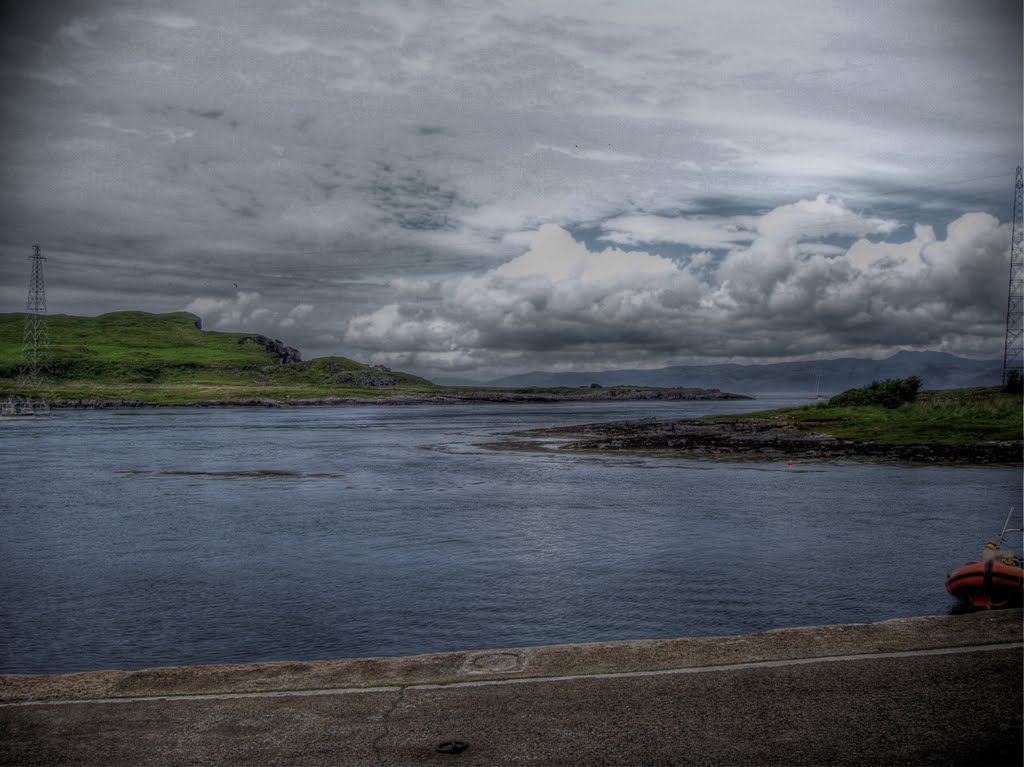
(35, 344)
(1013, 352)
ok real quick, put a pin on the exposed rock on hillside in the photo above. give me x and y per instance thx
(286, 355)
(366, 378)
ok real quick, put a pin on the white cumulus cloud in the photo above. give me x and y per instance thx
(784, 293)
(247, 311)
(702, 231)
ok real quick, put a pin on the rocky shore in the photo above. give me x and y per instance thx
(417, 398)
(759, 439)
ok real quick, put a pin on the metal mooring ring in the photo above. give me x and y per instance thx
(452, 747)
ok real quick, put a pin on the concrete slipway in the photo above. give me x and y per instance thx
(935, 690)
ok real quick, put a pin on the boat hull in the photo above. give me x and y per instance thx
(988, 584)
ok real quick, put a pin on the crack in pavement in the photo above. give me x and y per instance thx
(386, 722)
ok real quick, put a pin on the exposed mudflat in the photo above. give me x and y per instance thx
(751, 439)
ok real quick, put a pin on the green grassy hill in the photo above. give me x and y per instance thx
(167, 358)
(954, 416)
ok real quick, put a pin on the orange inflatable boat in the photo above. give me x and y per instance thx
(995, 580)
(988, 583)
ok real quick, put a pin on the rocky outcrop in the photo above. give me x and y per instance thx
(367, 378)
(765, 439)
(588, 394)
(285, 355)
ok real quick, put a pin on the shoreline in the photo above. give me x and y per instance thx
(432, 398)
(731, 439)
(919, 632)
(750, 439)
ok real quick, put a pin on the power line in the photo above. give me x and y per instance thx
(1013, 353)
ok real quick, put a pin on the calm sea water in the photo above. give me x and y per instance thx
(161, 537)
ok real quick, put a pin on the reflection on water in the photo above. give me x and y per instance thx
(143, 538)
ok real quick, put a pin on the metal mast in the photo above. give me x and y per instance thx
(1013, 352)
(35, 345)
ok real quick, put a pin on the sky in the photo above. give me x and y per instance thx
(465, 190)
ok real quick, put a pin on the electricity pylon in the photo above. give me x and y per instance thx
(35, 344)
(1013, 352)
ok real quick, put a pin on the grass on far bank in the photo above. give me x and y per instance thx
(187, 393)
(212, 390)
(955, 417)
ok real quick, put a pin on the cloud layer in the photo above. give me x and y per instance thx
(570, 308)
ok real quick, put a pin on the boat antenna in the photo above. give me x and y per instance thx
(1005, 530)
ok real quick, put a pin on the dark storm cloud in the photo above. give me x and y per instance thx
(434, 130)
(209, 114)
(411, 200)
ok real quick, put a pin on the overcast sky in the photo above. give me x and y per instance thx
(465, 190)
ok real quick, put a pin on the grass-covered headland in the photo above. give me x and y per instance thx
(956, 416)
(137, 358)
(168, 359)
(888, 420)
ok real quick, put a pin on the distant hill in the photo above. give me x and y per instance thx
(937, 370)
(139, 347)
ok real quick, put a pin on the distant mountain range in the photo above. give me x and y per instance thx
(937, 370)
